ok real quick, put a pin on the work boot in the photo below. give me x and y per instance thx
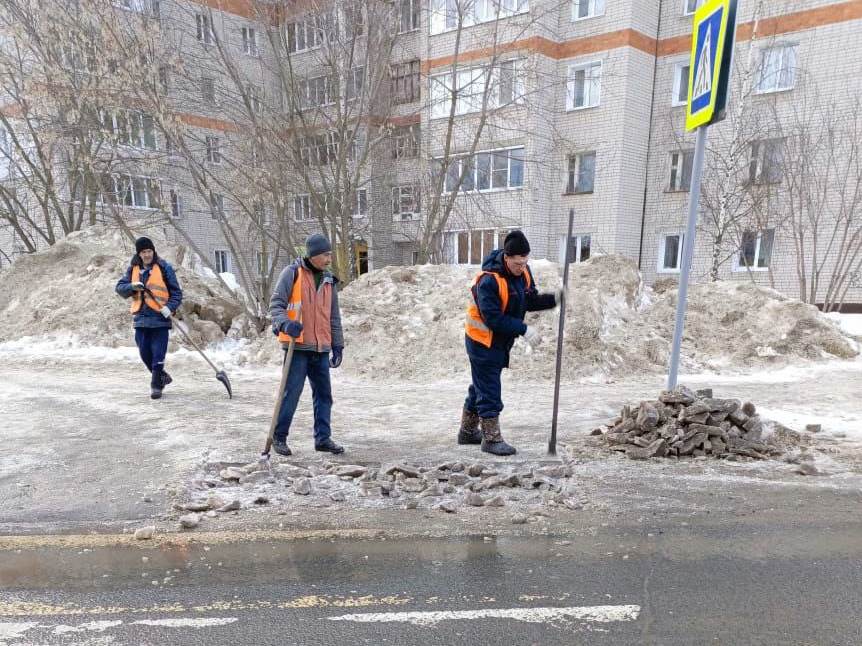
(329, 446)
(281, 447)
(469, 432)
(166, 379)
(156, 383)
(492, 439)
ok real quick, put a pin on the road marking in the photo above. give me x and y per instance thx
(598, 614)
(187, 623)
(15, 630)
(98, 626)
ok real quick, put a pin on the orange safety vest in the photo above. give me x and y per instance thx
(294, 307)
(156, 284)
(474, 325)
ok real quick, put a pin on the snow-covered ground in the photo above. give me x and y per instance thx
(83, 441)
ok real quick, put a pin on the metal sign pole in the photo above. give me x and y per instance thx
(687, 254)
(552, 444)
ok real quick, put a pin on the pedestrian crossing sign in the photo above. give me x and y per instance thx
(709, 66)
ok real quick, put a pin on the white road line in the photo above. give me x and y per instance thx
(11, 630)
(598, 614)
(187, 623)
(97, 626)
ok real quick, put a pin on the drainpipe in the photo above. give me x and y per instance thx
(649, 135)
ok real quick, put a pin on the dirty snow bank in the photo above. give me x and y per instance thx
(69, 288)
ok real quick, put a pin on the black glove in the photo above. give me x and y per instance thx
(337, 356)
(292, 328)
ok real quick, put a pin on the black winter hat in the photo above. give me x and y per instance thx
(516, 244)
(144, 243)
(316, 244)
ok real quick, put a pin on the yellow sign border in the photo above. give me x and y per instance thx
(704, 115)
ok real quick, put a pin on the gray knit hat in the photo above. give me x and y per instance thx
(316, 244)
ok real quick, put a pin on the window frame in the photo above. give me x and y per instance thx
(758, 156)
(305, 200)
(409, 194)
(226, 265)
(677, 171)
(250, 45)
(570, 84)
(205, 31)
(662, 252)
(737, 266)
(791, 70)
(213, 149)
(685, 9)
(475, 161)
(573, 176)
(590, 3)
(680, 82)
(406, 142)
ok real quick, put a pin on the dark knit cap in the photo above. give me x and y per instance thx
(516, 244)
(144, 243)
(316, 244)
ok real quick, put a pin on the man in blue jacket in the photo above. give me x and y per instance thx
(152, 284)
(501, 294)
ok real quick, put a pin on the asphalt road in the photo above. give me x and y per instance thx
(701, 583)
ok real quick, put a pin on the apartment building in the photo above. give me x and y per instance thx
(530, 108)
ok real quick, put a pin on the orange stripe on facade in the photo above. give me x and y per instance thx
(244, 8)
(766, 27)
(208, 123)
(777, 25)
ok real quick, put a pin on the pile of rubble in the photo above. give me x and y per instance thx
(228, 487)
(685, 423)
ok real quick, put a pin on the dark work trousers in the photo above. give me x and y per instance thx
(485, 393)
(153, 346)
(315, 366)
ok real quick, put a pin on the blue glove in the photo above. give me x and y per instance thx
(337, 356)
(292, 328)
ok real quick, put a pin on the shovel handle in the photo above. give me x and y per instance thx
(285, 370)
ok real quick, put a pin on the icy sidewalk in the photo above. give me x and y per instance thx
(85, 446)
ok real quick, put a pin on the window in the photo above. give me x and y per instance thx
(208, 90)
(495, 170)
(254, 98)
(147, 7)
(447, 14)
(587, 9)
(205, 32)
(408, 15)
(359, 204)
(680, 170)
(579, 248)
(584, 86)
(176, 204)
(264, 263)
(322, 149)
(767, 160)
(353, 20)
(130, 128)
(405, 142)
(755, 253)
(680, 84)
(405, 82)
(670, 252)
(309, 33)
(213, 145)
(467, 88)
(302, 208)
(471, 247)
(777, 69)
(354, 82)
(405, 202)
(222, 261)
(582, 173)
(690, 6)
(249, 41)
(137, 192)
(216, 205)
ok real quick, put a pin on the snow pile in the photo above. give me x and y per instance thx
(408, 322)
(68, 289)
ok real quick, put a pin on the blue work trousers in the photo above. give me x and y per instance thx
(152, 345)
(315, 366)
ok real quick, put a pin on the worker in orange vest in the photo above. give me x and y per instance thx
(501, 295)
(152, 285)
(304, 310)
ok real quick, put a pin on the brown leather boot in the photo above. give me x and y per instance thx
(469, 432)
(492, 439)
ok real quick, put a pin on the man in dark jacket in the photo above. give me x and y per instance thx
(152, 284)
(501, 295)
(304, 309)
